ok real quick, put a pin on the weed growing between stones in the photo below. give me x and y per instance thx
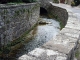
(56, 1)
(77, 54)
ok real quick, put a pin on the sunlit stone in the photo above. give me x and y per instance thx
(37, 52)
(51, 52)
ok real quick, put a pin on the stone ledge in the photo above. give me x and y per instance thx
(67, 41)
(43, 54)
(5, 6)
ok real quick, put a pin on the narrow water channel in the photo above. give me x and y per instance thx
(44, 33)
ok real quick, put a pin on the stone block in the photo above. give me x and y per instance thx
(26, 57)
(47, 54)
(73, 23)
(16, 19)
(61, 43)
(70, 32)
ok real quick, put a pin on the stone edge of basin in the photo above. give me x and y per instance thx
(63, 47)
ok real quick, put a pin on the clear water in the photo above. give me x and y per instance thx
(43, 34)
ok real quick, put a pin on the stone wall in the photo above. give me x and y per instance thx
(55, 11)
(15, 19)
(45, 3)
(58, 13)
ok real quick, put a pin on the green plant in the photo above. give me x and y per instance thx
(17, 43)
(55, 1)
(72, 3)
(14, 1)
(77, 54)
(29, 1)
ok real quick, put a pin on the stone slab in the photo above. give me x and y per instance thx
(61, 43)
(47, 54)
(26, 57)
(73, 23)
(71, 32)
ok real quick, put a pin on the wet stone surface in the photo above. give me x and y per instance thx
(43, 33)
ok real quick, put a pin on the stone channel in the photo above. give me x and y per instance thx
(64, 46)
(61, 46)
(43, 33)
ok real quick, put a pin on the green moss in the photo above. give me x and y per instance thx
(17, 13)
(20, 39)
(28, 10)
(77, 54)
(13, 3)
(56, 1)
(8, 21)
(36, 6)
(54, 16)
(16, 44)
(30, 1)
(5, 11)
(61, 25)
(22, 10)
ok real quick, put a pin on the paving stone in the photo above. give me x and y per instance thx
(61, 43)
(73, 23)
(61, 58)
(37, 52)
(73, 26)
(47, 54)
(70, 32)
(26, 57)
